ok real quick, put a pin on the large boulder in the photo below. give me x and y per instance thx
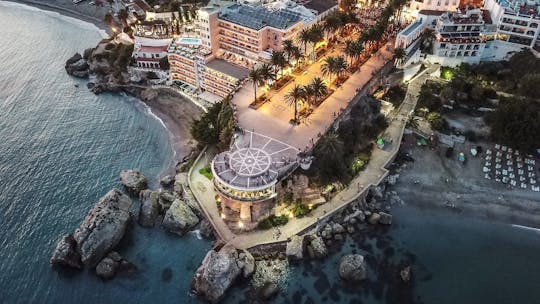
(317, 248)
(167, 180)
(65, 253)
(295, 248)
(133, 180)
(385, 218)
(218, 271)
(103, 227)
(352, 268)
(247, 263)
(165, 200)
(392, 179)
(374, 218)
(149, 209)
(267, 291)
(206, 229)
(192, 202)
(107, 268)
(179, 218)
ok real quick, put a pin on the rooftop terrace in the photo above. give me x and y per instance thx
(258, 17)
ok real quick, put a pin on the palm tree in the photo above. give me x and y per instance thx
(305, 37)
(267, 72)
(278, 60)
(413, 122)
(308, 93)
(256, 78)
(295, 54)
(340, 66)
(332, 22)
(317, 34)
(295, 95)
(399, 54)
(328, 67)
(349, 49)
(288, 48)
(318, 88)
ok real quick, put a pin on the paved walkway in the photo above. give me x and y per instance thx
(373, 174)
(272, 119)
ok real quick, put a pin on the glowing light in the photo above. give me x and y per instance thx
(310, 206)
(291, 215)
(222, 215)
(240, 224)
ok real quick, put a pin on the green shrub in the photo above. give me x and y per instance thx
(299, 210)
(207, 172)
(273, 221)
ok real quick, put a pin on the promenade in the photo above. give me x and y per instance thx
(272, 119)
(374, 173)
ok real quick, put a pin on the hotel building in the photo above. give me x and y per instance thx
(494, 30)
(233, 39)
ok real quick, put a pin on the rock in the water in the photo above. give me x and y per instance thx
(295, 248)
(179, 218)
(103, 227)
(165, 200)
(133, 180)
(392, 179)
(74, 59)
(167, 180)
(66, 253)
(377, 192)
(192, 202)
(337, 228)
(107, 268)
(405, 274)
(206, 229)
(318, 247)
(352, 267)
(385, 218)
(267, 291)
(149, 208)
(374, 218)
(217, 272)
(247, 262)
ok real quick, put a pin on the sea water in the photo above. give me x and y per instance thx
(61, 148)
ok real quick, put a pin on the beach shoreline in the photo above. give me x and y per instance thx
(434, 181)
(83, 12)
(174, 111)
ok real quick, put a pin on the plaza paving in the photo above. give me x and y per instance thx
(272, 119)
(375, 170)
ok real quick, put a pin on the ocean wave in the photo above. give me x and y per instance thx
(148, 111)
(526, 228)
(74, 21)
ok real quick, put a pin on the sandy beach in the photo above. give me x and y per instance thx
(442, 179)
(83, 11)
(177, 113)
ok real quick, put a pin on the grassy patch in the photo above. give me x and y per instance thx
(207, 172)
(273, 221)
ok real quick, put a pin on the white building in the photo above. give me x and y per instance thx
(148, 52)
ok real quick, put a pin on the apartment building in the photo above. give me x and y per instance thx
(148, 52)
(461, 36)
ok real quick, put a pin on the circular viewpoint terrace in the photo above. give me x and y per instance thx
(245, 176)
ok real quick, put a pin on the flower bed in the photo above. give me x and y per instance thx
(280, 83)
(259, 102)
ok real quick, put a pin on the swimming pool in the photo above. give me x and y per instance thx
(188, 40)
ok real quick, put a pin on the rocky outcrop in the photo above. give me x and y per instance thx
(219, 270)
(392, 179)
(112, 265)
(385, 218)
(316, 248)
(107, 268)
(149, 209)
(269, 275)
(295, 248)
(179, 218)
(77, 66)
(267, 291)
(405, 274)
(374, 218)
(103, 227)
(167, 181)
(133, 180)
(192, 202)
(65, 253)
(352, 268)
(165, 200)
(206, 229)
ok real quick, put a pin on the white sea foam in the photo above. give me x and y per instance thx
(148, 110)
(526, 228)
(196, 233)
(77, 22)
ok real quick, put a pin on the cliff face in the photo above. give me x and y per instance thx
(106, 64)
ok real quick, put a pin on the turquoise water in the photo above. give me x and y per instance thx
(61, 148)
